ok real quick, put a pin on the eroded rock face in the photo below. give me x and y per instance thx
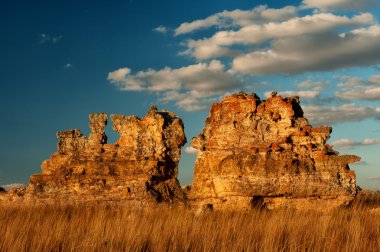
(255, 153)
(141, 166)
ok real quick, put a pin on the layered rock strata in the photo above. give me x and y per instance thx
(257, 153)
(140, 167)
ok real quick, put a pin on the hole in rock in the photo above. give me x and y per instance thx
(186, 167)
(257, 202)
(112, 135)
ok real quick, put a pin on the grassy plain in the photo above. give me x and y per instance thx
(116, 228)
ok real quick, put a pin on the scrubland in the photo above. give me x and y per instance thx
(116, 228)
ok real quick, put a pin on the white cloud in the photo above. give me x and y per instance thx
(375, 79)
(316, 85)
(238, 18)
(348, 144)
(301, 94)
(121, 78)
(318, 115)
(200, 77)
(360, 89)
(190, 87)
(264, 41)
(360, 93)
(161, 29)
(361, 162)
(67, 66)
(46, 38)
(349, 81)
(377, 178)
(328, 5)
(196, 25)
(316, 88)
(8, 187)
(255, 34)
(314, 53)
(191, 100)
(190, 150)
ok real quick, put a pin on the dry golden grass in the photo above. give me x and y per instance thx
(115, 228)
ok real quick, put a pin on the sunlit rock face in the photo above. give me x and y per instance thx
(257, 153)
(140, 167)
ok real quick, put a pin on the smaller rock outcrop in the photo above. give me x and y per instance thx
(255, 153)
(140, 167)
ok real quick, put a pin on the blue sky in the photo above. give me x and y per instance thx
(61, 60)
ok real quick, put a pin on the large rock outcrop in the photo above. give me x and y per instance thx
(265, 153)
(140, 167)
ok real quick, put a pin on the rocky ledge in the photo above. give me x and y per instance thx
(264, 153)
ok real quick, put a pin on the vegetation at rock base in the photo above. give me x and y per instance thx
(99, 227)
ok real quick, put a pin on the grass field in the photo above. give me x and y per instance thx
(116, 228)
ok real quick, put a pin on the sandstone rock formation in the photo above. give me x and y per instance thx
(140, 167)
(265, 154)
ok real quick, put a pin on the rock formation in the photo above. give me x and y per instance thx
(265, 154)
(252, 153)
(140, 167)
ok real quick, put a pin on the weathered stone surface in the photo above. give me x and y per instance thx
(265, 153)
(140, 167)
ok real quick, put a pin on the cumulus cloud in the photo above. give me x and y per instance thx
(348, 81)
(360, 89)
(190, 87)
(8, 187)
(190, 150)
(264, 41)
(375, 79)
(331, 5)
(46, 38)
(316, 85)
(376, 178)
(191, 100)
(161, 29)
(238, 18)
(339, 114)
(200, 77)
(362, 93)
(301, 94)
(67, 66)
(361, 162)
(329, 51)
(348, 144)
(259, 33)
